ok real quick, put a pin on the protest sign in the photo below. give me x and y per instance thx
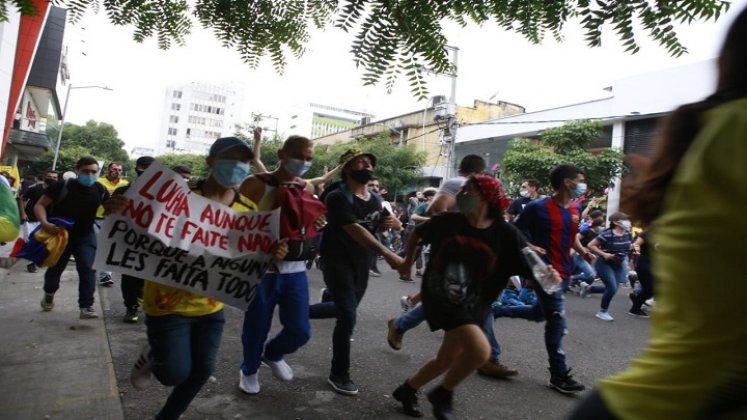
(170, 235)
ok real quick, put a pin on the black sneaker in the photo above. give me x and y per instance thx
(131, 316)
(106, 280)
(441, 401)
(342, 384)
(31, 268)
(409, 400)
(640, 313)
(566, 384)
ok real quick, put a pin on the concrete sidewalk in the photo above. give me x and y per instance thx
(52, 364)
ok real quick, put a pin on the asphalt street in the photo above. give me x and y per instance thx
(594, 349)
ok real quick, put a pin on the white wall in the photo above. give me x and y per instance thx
(8, 43)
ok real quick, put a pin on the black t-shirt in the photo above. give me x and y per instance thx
(80, 203)
(517, 206)
(588, 235)
(468, 267)
(32, 195)
(341, 212)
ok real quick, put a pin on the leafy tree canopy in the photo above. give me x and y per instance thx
(391, 37)
(527, 158)
(194, 162)
(99, 140)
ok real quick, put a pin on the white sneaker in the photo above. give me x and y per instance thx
(280, 369)
(249, 383)
(321, 294)
(584, 290)
(140, 375)
(405, 303)
(650, 303)
(604, 316)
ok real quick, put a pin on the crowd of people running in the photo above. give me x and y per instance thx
(469, 244)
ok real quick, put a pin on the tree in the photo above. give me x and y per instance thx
(194, 162)
(391, 37)
(527, 158)
(99, 140)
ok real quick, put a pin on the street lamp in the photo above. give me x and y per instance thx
(64, 114)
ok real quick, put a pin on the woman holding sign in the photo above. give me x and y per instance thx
(185, 329)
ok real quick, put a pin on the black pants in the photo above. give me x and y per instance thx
(132, 290)
(646, 278)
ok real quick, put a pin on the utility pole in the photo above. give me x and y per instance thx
(449, 132)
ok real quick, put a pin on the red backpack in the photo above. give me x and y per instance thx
(298, 211)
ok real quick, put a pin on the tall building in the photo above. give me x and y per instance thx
(196, 114)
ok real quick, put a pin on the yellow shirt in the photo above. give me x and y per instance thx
(698, 344)
(109, 187)
(159, 299)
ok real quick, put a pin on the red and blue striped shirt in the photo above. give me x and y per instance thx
(553, 228)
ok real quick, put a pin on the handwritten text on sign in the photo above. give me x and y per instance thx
(172, 236)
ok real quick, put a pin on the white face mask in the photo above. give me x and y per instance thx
(524, 193)
(625, 224)
(467, 203)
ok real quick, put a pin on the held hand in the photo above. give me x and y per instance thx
(394, 260)
(539, 250)
(279, 249)
(589, 256)
(404, 270)
(24, 218)
(50, 228)
(555, 275)
(388, 222)
(257, 133)
(320, 222)
(115, 204)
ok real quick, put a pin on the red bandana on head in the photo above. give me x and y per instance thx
(491, 191)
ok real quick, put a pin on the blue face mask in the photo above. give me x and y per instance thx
(229, 173)
(87, 180)
(579, 190)
(297, 167)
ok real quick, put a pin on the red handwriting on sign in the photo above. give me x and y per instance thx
(142, 214)
(255, 241)
(206, 238)
(165, 225)
(222, 219)
(170, 192)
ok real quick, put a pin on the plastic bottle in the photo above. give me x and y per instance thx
(541, 272)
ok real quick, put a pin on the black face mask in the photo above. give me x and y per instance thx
(49, 181)
(361, 176)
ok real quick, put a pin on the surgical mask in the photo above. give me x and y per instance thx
(579, 190)
(361, 176)
(625, 224)
(467, 203)
(524, 193)
(87, 180)
(297, 167)
(229, 173)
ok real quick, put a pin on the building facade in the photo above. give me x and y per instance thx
(630, 115)
(195, 114)
(425, 129)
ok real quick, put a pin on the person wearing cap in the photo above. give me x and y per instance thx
(132, 287)
(285, 284)
(473, 253)
(111, 181)
(354, 215)
(185, 329)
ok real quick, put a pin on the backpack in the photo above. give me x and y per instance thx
(298, 211)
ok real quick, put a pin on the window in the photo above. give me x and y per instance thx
(172, 131)
(177, 94)
(173, 119)
(176, 107)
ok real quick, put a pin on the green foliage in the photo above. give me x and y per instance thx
(566, 144)
(195, 162)
(99, 140)
(391, 37)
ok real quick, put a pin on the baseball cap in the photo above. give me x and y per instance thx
(144, 161)
(353, 153)
(225, 144)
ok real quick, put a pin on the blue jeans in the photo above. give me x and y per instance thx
(582, 270)
(551, 309)
(611, 274)
(410, 319)
(346, 282)
(184, 350)
(83, 248)
(97, 225)
(290, 292)
(487, 328)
